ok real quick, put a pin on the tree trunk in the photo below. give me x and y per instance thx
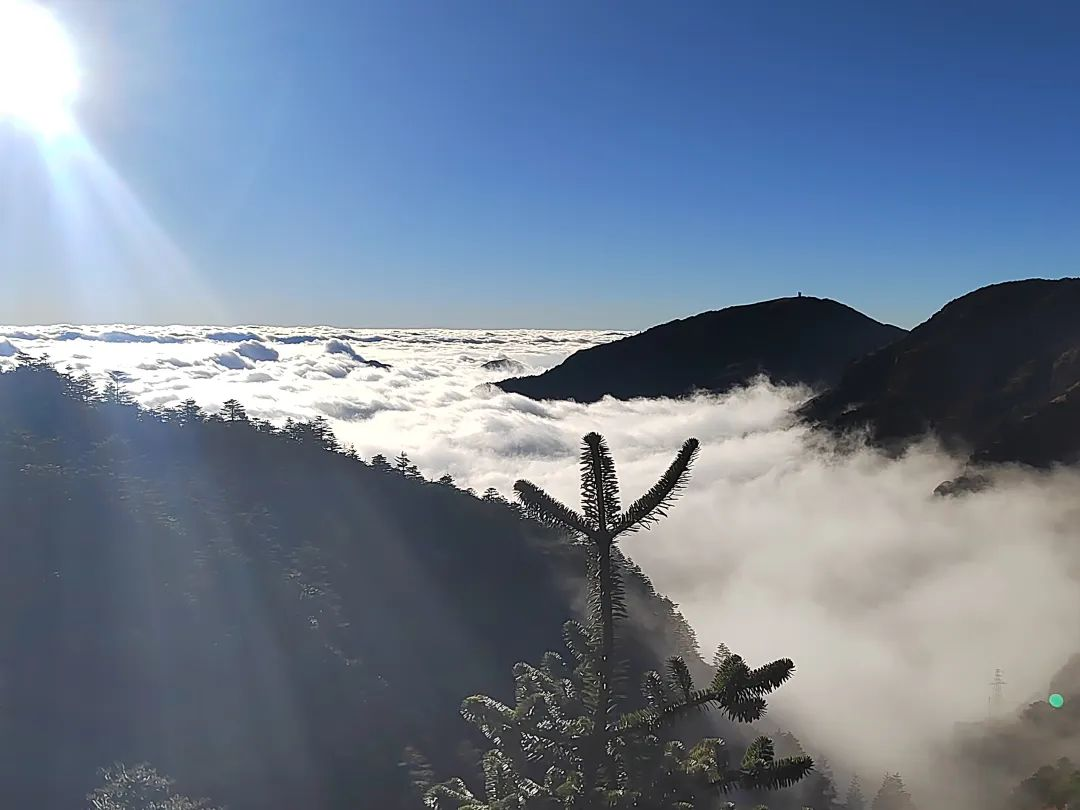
(594, 755)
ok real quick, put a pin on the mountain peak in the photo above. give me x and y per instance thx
(995, 371)
(798, 340)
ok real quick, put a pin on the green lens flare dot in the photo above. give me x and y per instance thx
(1056, 700)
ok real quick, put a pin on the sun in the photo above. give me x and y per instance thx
(38, 72)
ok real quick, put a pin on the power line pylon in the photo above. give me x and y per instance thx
(997, 696)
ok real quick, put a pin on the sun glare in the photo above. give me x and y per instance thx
(38, 72)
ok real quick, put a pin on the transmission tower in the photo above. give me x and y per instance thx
(997, 695)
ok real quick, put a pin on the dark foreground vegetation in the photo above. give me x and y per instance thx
(275, 624)
(261, 616)
(566, 743)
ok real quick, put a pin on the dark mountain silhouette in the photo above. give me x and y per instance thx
(995, 373)
(259, 615)
(503, 364)
(801, 340)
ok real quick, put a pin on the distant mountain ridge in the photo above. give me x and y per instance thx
(797, 340)
(995, 373)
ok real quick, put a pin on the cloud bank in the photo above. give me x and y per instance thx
(896, 605)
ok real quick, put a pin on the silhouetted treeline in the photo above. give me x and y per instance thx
(253, 610)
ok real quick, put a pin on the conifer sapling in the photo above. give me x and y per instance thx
(566, 743)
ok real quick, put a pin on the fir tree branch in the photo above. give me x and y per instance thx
(653, 505)
(679, 677)
(550, 511)
(778, 774)
(453, 790)
(578, 641)
(766, 678)
(746, 710)
(599, 483)
(651, 719)
(599, 486)
(760, 751)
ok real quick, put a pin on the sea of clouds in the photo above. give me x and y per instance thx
(895, 604)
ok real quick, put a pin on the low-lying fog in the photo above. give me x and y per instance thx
(896, 605)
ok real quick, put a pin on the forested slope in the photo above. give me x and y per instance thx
(267, 620)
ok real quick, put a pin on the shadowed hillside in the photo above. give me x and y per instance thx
(801, 340)
(267, 621)
(989, 759)
(995, 372)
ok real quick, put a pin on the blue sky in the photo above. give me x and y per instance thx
(551, 164)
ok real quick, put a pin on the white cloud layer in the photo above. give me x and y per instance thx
(896, 605)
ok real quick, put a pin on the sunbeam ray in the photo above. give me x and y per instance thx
(115, 246)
